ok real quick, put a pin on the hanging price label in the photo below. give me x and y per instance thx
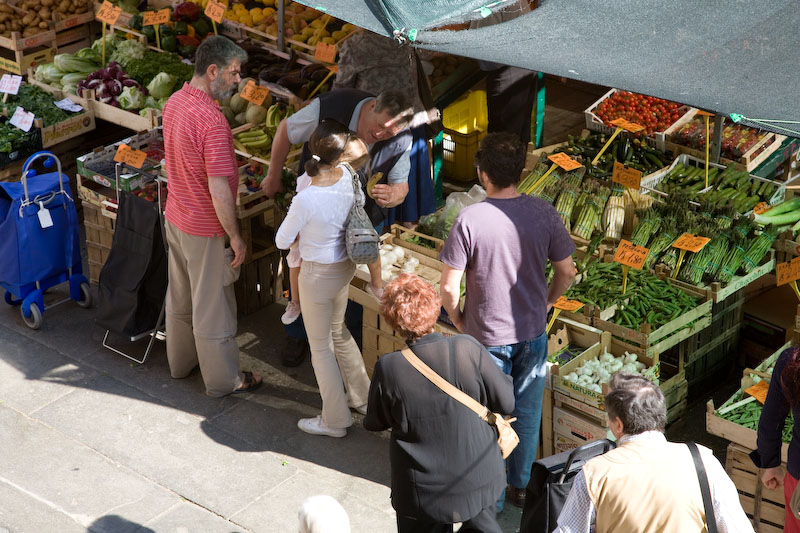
(129, 156)
(759, 391)
(150, 18)
(108, 13)
(691, 243)
(22, 119)
(254, 93)
(629, 177)
(788, 272)
(567, 305)
(215, 11)
(627, 125)
(701, 113)
(325, 52)
(9, 83)
(564, 161)
(631, 255)
(761, 208)
(68, 105)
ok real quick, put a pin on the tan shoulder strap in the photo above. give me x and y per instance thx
(457, 394)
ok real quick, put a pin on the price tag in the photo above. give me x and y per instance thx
(45, 219)
(789, 271)
(68, 105)
(254, 93)
(761, 207)
(215, 11)
(22, 119)
(702, 113)
(567, 305)
(108, 13)
(759, 391)
(125, 154)
(325, 52)
(691, 243)
(631, 255)
(564, 161)
(627, 125)
(9, 83)
(155, 17)
(629, 177)
(334, 69)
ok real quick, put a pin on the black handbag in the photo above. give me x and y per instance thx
(361, 239)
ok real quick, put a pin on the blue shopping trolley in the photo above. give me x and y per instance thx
(39, 246)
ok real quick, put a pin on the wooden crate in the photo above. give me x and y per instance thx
(565, 332)
(749, 161)
(401, 235)
(256, 286)
(546, 434)
(765, 507)
(99, 230)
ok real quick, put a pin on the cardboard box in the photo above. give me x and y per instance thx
(570, 426)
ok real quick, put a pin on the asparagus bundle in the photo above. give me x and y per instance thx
(566, 203)
(662, 241)
(648, 224)
(758, 249)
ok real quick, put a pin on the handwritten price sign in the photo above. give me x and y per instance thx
(691, 243)
(629, 177)
(151, 18)
(108, 13)
(564, 161)
(254, 93)
(215, 11)
(627, 125)
(789, 271)
(631, 255)
(22, 119)
(567, 305)
(759, 391)
(9, 83)
(129, 156)
(759, 209)
(325, 52)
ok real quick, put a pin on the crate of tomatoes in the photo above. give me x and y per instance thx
(659, 117)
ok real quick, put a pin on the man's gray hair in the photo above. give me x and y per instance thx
(216, 50)
(396, 104)
(637, 402)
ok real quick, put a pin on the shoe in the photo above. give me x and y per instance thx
(374, 291)
(361, 409)
(249, 383)
(296, 352)
(315, 426)
(291, 314)
(515, 496)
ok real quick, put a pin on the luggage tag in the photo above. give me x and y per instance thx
(45, 220)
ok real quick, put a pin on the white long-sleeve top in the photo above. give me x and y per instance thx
(318, 216)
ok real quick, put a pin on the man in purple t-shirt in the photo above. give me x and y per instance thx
(503, 244)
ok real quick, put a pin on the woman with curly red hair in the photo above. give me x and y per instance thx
(446, 464)
(783, 396)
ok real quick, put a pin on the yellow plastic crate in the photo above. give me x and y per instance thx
(467, 114)
(465, 124)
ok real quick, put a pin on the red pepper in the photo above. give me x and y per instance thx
(187, 12)
(185, 40)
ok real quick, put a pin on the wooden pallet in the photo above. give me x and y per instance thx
(99, 231)
(763, 506)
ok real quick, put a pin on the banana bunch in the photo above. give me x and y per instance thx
(255, 141)
(275, 114)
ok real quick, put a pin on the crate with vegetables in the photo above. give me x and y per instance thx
(100, 167)
(568, 340)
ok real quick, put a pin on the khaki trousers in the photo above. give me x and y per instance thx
(201, 312)
(335, 356)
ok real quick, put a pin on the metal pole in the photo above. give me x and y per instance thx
(716, 146)
(280, 25)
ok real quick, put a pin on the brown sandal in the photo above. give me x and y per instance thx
(249, 384)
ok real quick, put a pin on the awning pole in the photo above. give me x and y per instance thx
(281, 9)
(717, 144)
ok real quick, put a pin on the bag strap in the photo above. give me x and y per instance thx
(356, 182)
(449, 389)
(711, 521)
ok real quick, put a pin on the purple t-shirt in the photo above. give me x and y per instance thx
(503, 245)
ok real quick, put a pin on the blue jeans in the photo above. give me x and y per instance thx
(526, 363)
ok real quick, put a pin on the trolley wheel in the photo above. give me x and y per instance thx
(10, 299)
(35, 320)
(86, 296)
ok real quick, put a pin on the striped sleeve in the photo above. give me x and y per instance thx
(218, 151)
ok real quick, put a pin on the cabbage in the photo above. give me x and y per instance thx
(90, 55)
(131, 98)
(48, 73)
(150, 102)
(72, 63)
(162, 102)
(112, 40)
(161, 86)
(143, 111)
(127, 51)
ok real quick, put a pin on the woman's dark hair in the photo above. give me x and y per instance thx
(501, 156)
(329, 142)
(790, 377)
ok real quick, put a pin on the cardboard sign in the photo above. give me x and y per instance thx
(627, 125)
(22, 119)
(567, 305)
(125, 154)
(761, 207)
(108, 13)
(631, 255)
(629, 177)
(759, 391)
(155, 17)
(254, 93)
(564, 161)
(788, 271)
(325, 52)
(215, 11)
(691, 243)
(9, 83)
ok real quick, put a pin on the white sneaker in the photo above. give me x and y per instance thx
(291, 314)
(361, 409)
(315, 426)
(376, 292)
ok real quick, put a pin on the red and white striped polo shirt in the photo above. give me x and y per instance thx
(198, 143)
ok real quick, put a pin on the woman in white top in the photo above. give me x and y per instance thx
(317, 218)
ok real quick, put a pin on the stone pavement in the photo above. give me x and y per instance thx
(94, 442)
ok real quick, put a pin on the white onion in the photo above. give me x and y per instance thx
(398, 252)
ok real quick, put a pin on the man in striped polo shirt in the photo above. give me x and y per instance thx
(200, 212)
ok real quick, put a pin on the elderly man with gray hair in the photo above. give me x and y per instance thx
(646, 484)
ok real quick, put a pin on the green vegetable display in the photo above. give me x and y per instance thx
(39, 102)
(748, 415)
(12, 138)
(153, 63)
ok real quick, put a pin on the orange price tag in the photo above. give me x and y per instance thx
(788, 271)
(564, 161)
(631, 255)
(125, 154)
(629, 177)
(254, 93)
(150, 18)
(215, 11)
(691, 243)
(334, 69)
(702, 113)
(761, 207)
(567, 305)
(108, 13)
(759, 391)
(627, 125)
(325, 52)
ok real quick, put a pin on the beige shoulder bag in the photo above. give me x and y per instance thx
(506, 436)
